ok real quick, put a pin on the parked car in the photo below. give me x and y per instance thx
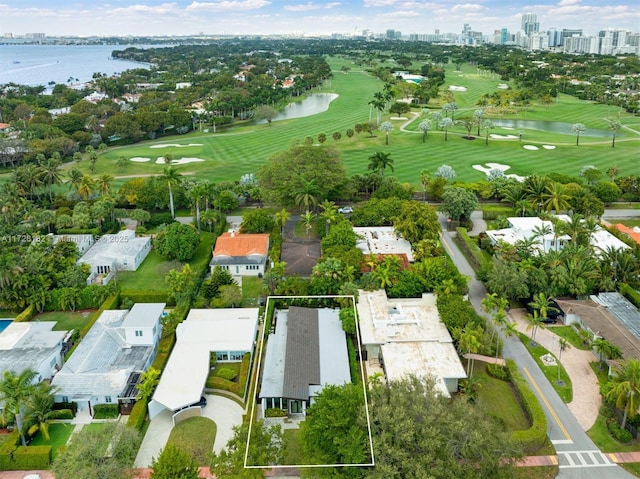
(345, 210)
(554, 311)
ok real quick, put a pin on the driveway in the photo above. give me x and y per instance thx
(224, 412)
(586, 390)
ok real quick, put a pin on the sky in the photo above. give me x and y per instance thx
(237, 17)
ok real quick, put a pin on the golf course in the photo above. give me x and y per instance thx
(241, 148)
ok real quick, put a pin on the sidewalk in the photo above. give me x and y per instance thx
(586, 390)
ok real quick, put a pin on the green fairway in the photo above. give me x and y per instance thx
(242, 148)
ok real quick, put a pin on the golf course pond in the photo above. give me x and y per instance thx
(551, 126)
(311, 105)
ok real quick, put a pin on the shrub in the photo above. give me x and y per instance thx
(26, 315)
(471, 250)
(631, 294)
(158, 219)
(621, 435)
(353, 363)
(138, 415)
(106, 411)
(141, 296)
(31, 457)
(227, 373)
(275, 412)
(498, 372)
(69, 406)
(532, 439)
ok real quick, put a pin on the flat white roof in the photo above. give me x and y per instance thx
(604, 240)
(143, 315)
(202, 332)
(30, 335)
(382, 240)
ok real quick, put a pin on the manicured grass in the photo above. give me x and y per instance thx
(599, 434)
(5, 313)
(568, 333)
(500, 400)
(96, 426)
(630, 223)
(293, 450)
(632, 467)
(66, 320)
(195, 435)
(150, 275)
(242, 148)
(251, 290)
(234, 365)
(59, 434)
(565, 391)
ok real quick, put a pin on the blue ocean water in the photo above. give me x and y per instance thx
(41, 64)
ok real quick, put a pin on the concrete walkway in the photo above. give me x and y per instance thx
(224, 412)
(586, 389)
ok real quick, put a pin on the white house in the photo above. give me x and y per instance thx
(406, 337)
(115, 252)
(380, 240)
(31, 345)
(241, 254)
(120, 343)
(230, 333)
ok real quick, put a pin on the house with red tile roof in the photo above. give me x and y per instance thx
(241, 254)
(633, 233)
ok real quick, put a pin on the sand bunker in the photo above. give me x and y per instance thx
(181, 161)
(503, 86)
(457, 88)
(549, 147)
(398, 118)
(509, 137)
(167, 145)
(497, 166)
(139, 159)
(530, 147)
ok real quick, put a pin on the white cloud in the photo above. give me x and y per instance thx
(468, 8)
(304, 7)
(228, 5)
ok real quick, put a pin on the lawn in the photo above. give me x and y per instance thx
(5, 314)
(293, 450)
(59, 434)
(242, 148)
(197, 436)
(626, 222)
(500, 399)
(568, 333)
(564, 390)
(66, 320)
(251, 291)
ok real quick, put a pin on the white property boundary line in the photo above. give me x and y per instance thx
(255, 390)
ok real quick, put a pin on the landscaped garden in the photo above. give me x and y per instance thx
(59, 434)
(196, 435)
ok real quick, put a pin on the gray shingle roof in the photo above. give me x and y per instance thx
(302, 364)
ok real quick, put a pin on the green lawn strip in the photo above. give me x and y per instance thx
(233, 365)
(59, 434)
(293, 449)
(6, 314)
(242, 149)
(500, 400)
(565, 391)
(66, 320)
(568, 333)
(632, 467)
(195, 435)
(251, 290)
(630, 223)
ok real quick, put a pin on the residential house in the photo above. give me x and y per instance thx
(32, 345)
(120, 343)
(228, 333)
(631, 232)
(405, 337)
(82, 241)
(115, 252)
(241, 254)
(306, 351)
(383, 240)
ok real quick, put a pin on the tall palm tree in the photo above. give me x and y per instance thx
(555, 198)
(387, 127)
(86, 187)
(445, 124)
(282, 217)
(424, 127)
(564, 345)
(103, 184)
(172, 177)
(378, 103)
(210, 217)
(535, 322)
(306, 194)
(625, 388)
(605, 350)
(578, 128)
(16, 390)
(542, 304)
(468, 342)
(614, 126)
(329, 214)
(307, 220)
(380, 161)
(51, 175)
(75, 178)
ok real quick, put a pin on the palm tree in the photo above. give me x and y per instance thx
(578, 128)
(282, 217)
(16, 390)
(606, 350)
(40, 412)
(51, 175)
(210, 217)
(556, 198)
(307, 194)
(103, 184)
(478, 116)
(75, 178)
(378, 103)
(542, 304)
(307, 220)
(614, 126)
(172, 177)
(148, 382)
(564, 345)
(329, 214)
(86, 187)
(468, 342)
(486, 126)
(425, 178)
(424, 127)
(380, 161)
(535, 322)
(625, 388)
(445, 124)
(387, 127)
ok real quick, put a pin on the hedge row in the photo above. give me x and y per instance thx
(23, 458)
(140, 296)
(471, 250)
(138, 415)
(535, 437)
(79, 231)
(631, 294)
(275, 244)
(491, 212)
(26, 315)
(106, 411)
(353, 362)
(89, 297)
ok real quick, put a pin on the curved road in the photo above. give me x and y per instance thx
(578, 456)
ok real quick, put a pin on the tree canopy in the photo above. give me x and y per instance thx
(177, 241)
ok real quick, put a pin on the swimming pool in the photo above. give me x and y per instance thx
(4, 323)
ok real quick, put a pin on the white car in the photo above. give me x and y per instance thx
(345, 210)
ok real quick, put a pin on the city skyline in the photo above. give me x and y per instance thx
(251, 17)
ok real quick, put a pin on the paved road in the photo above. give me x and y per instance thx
(578, 456)
(608, 214)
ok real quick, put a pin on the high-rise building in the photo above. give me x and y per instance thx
(555, 37)
(569, 32)
(504, 36)
(530, 23)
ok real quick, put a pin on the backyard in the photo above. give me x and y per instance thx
(196, 435)
(59, 434)
(66, 320)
